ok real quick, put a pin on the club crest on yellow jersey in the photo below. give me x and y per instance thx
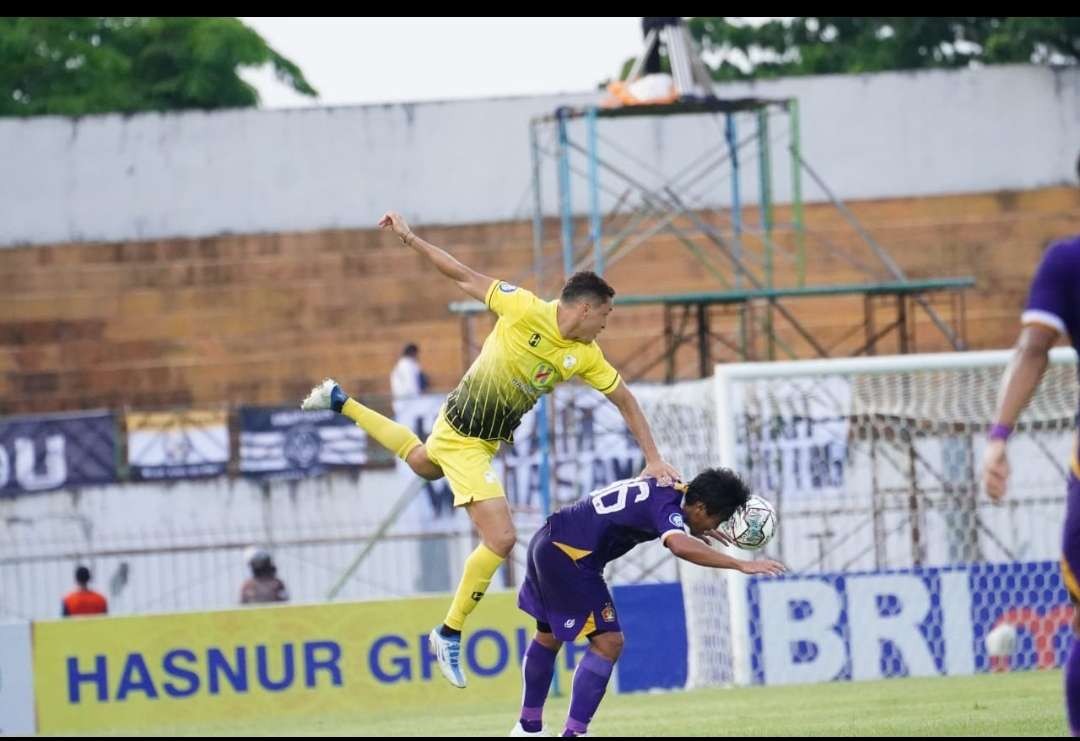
(543, 376)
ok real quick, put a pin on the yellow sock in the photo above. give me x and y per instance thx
(396, 438)
(480, 566)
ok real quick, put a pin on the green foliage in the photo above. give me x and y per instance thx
(79, 66)
(818, 45)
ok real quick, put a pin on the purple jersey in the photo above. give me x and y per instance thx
(611, 521)
(1055, 292)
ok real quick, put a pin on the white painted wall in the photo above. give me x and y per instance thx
(197, 174)
(17, 715)
(183, 542)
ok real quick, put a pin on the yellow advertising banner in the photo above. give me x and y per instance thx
(127, 673)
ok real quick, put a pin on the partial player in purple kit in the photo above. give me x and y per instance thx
(1053, 310)
(564, 586)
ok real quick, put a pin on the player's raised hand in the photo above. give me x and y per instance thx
(995, 472)
(664, 474)
(764, 566)
(395, 222)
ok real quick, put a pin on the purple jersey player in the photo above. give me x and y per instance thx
(1053, 310)
(564, 586)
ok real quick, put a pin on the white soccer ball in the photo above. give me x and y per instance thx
(752, 526)
(1001, 641)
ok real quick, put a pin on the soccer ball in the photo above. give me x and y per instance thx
(752, 526)
(1001, 641)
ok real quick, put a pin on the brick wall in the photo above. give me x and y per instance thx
(258, 318)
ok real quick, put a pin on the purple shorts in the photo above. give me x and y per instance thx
(573, 599)
(1070, 539)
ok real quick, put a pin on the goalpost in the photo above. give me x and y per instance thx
(872, 464)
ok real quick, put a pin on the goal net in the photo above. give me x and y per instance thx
(872, 465)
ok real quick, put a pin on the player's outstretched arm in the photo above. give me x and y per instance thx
(685, 547)
(655, 466)
(473, 283)
(1021, 378)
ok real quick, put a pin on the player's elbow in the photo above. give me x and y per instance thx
(1035, 343)
(621, 398)
(473, 283)
(677, 544)
(1033, 352)
(1032, 358)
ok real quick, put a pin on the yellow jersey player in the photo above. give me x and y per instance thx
(534, 345)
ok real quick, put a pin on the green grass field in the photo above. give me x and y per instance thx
(1019, 704)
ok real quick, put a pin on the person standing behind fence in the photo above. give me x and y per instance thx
(83, 600)
(408, 380)
(264, 585)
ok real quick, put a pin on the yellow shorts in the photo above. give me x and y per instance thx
(466, 461)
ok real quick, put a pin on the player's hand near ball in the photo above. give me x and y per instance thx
(765, 566)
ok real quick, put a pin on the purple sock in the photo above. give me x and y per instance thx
(1072, 686)
(590, 683)
(537, 670)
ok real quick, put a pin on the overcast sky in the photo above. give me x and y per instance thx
(370, 60)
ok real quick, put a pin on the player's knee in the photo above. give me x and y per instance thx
(421, 465)
(502, 540)
(617, 643)
(547, 640)
(609, 645)
(1076, 621)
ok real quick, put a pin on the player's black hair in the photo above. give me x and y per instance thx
(82, 575)
(586, 285)
(720, 490)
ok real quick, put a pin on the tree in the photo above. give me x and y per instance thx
(735, 50)
(79, 66)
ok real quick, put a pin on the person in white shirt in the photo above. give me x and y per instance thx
(407, 379)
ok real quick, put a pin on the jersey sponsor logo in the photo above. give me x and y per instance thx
(534, 340)
(543, 376)
(569, 362)
(507, 287)
(525, 389)
(607, 614)
(677, 520)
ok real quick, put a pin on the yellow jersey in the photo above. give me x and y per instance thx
(522, 359)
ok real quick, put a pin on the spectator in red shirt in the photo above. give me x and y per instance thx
(83, 600)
